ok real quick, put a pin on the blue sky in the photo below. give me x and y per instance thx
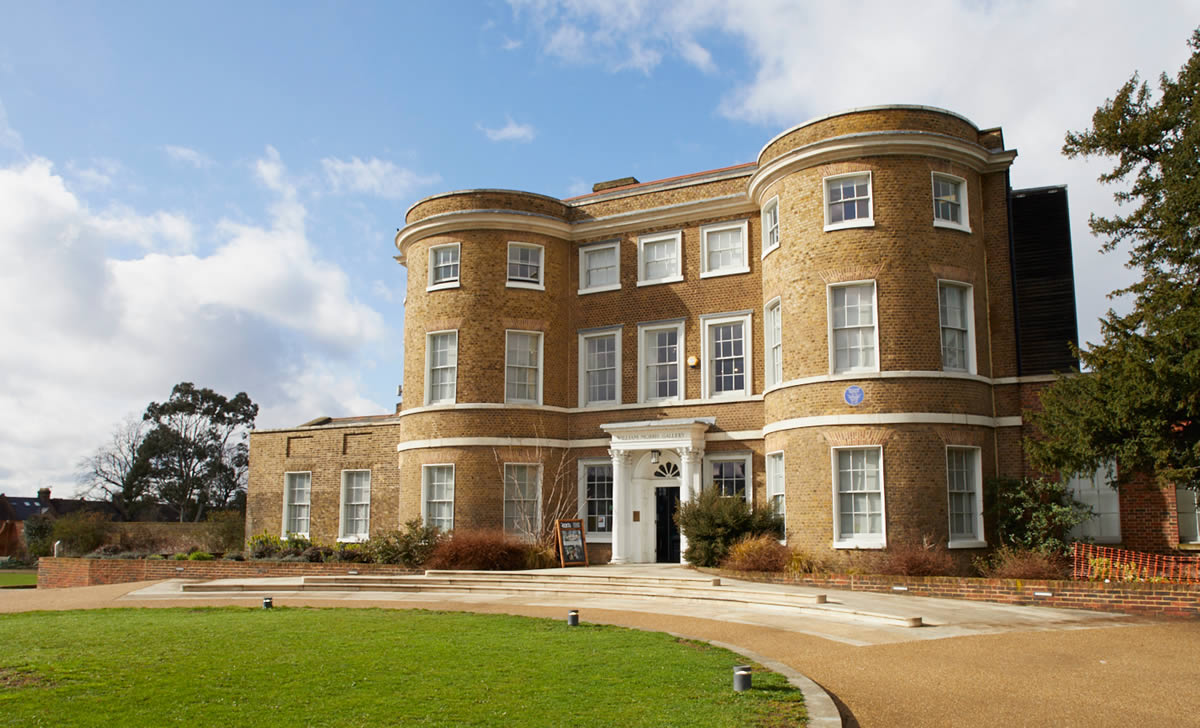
(209, 191)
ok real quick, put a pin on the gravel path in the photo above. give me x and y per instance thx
(1142, 674)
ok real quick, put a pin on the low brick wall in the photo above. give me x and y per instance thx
(57, 573)
(1163, 600)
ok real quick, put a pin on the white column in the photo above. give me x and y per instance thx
(689, 485)
(621, 515)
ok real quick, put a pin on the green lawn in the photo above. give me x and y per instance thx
(365, 667)
(14, 578)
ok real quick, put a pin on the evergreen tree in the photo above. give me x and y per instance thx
(1139, 402)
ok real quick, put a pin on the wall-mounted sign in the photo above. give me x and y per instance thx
(853, 395)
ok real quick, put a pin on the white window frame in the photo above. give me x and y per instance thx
(344, 537)
(868, 221)
(732, 456)
(769, 209)
(540, 283)
(540, 367)
(969, 305)
(645, 329)
(429, 400)
(773, 343)
(643, 240)
(537, 527)
(977, 481)
(426, 471)
(777, 485)
(852, 541)
(584, 250)
(287, 503)
(443, 285)
(584, 463)
(1191, 509)
(739, 266)
(965, 225)
(1082, 486)
(708, 370)
(830, 331)
(584, 336)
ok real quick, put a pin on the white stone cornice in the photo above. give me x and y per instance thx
(463, 220)
(878, 144)
(891, 418)
(666, 216)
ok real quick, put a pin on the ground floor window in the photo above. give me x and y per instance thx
(775, 492)
(858, 497)
(297, 490)
(521, 489)
(596, 497)
(1188, 508)
(963, 478)
(1094, 491)
(729, 473)
(438, 501)
(356, 504)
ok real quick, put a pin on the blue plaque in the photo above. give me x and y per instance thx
(853, 395)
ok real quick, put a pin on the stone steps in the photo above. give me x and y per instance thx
(566, 584)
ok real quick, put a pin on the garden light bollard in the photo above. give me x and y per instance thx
(57, 549)
(573, 618)
(741, 678)
(267, 603)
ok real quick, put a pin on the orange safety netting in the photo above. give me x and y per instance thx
(1102, 563)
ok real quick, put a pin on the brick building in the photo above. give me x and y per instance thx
(848, 327)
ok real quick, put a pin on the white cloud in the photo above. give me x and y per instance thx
(510, 132)
(9, 138)
(89, 336)
(578, 187)
(510, 44)
(376, 177)
(187, 155)
(1035, 69)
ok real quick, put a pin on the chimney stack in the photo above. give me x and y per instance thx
(44, 496)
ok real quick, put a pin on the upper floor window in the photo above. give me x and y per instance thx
(965, 494)
(852, 324)
(523, 367)
(437, 498)
(441, 362)
(770, 226)
(356, 505)
(730, 474)
(726, 354)
(599, 267)
(950, 202)
(443, 266)
(848, 201)
(723, 249)
(773, 338)
(600, 367)
(297, 490)
(525, 266)
(660, 366)
(955, 309)
(858, 498)
(659, 259)
(1095, 491)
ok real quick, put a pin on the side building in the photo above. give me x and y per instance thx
(848, 328)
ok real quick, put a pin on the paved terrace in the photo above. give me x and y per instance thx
(972, 664)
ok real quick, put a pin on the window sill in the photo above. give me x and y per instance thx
(656, 281)
(977, 544)
(523, 401)
(725, 272)
(352, 539)
(599, 289)
(440, 402)
(859, 544)
(527, 285)
(726, 396)
(598, 404)
(849, 373)
(304, 536)
(442, 286)
(864, 223)
(947, 225)
(653, 402)
(605, 537)
(1189, 547)
(768, 251)
(953, 370)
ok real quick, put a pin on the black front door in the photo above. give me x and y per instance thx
(666, 533)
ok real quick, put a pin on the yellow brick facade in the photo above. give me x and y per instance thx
(911, 409)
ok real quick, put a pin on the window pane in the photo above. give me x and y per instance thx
(728, 357)
(860, 499)
(524, 263)
(662, 363)
(356, 502)
(521, 367)
(599, 498)
(443, 366)
(298, 487)
(659, 259)
(848, 199)
(439, 498)
(520, 499)
(445, 264)
(600, 267)
(600, 368)
(729, 476)
(953, 311)
(854, 327)
(947, 199)
(724, 248)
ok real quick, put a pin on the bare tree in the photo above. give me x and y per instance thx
(558, 496)
(113, 473)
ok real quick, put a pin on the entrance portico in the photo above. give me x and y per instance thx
(649, 457)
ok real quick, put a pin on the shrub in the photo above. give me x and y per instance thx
(181, 556)
(200, 556)
(264, 546)
(350, 553)
(802, 562)
(1034, 514)
(411, 546)
(757, 553)
(480, 550)
(296, 542)
(317, 554)
(912, 559)
(233, 556)
(1007, 562)
(81, 532)
(712, 524)
(225, 530)
(155, 557)
(39, 535)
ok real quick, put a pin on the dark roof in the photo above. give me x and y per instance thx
(20, 508)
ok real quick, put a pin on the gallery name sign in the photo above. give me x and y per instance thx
(641, 436)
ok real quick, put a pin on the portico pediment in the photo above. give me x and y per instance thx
(685, 432)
